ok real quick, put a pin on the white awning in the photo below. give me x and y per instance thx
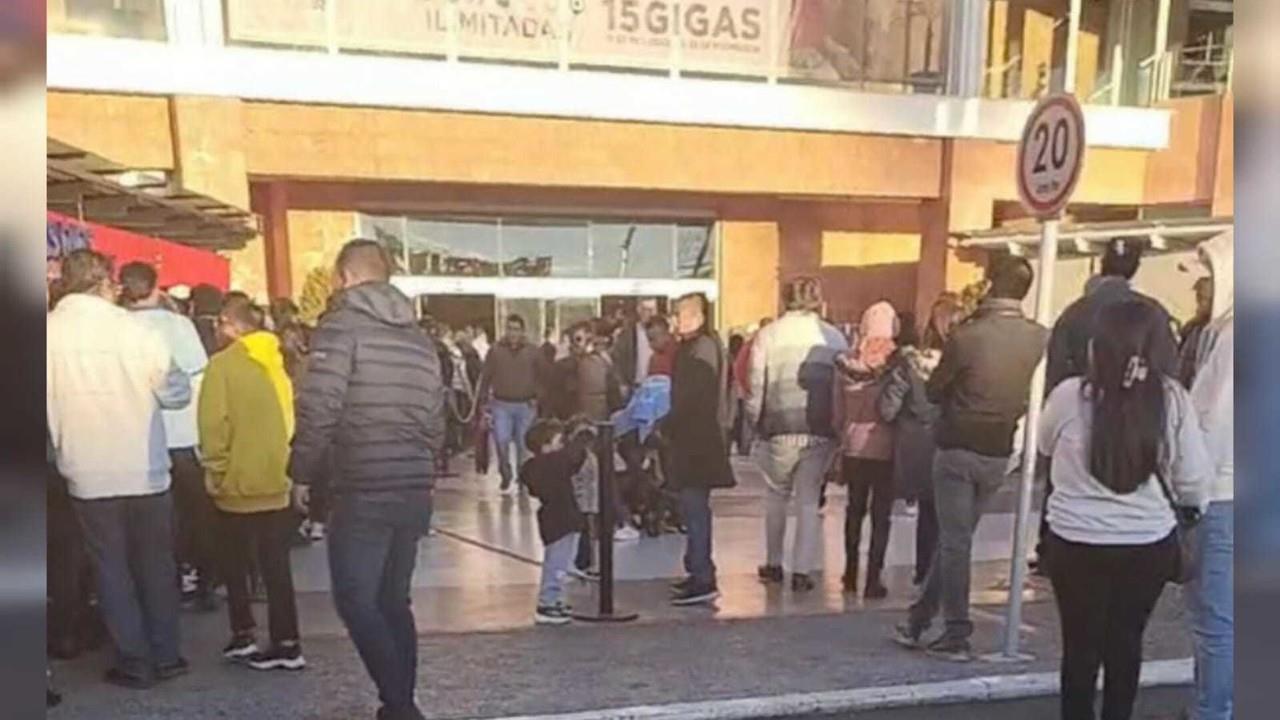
(1167, 235)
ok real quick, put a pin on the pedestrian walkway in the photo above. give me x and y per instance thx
(481, 656)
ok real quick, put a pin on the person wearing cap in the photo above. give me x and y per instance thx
(1069, 343)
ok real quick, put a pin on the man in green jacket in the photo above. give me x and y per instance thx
(246, 422)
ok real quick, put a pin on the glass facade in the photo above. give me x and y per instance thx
(133, 19)
(544, 248)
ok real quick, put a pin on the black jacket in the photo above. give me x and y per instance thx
(1069, 343)
(549, 478)
(981, 383)
(693, 426)
(372, 393)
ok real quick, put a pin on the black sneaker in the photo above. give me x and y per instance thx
(908, 636)
(279, 657)
(551, 615)
(875, 590)
(801, 582)
(952, 649)
(172, 670)
(695, 594)
(410, 713)
(241, 647)
(769, 573)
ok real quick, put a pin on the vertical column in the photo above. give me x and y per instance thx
(966, 46)
(273, 200)
(1073, 47)
(931, 271)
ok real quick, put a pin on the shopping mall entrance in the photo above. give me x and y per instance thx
(553, 272)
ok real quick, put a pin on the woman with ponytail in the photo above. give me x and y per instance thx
(1127, 454)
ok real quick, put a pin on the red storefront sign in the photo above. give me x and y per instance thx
(175, 264)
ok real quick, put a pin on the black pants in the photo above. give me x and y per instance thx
(196, 541)
(870, 485)
(68, 579)
(926, 535)
(269, 534)
(1105, 595)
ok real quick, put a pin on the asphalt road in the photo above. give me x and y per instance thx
(1153, 704)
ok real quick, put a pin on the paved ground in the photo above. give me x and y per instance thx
(480, 657)
(1154, 704)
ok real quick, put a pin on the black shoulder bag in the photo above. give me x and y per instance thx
(1184, 533)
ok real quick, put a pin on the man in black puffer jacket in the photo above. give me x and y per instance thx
(372, 403)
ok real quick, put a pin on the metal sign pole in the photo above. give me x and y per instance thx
(604, 456)
(1030, 434)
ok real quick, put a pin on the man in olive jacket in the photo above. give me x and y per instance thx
(373, 397)
(699, 461)
(245, 420)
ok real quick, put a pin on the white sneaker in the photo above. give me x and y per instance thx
(316, 531)
(626, 533)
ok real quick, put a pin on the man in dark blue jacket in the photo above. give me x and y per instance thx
(372, 402)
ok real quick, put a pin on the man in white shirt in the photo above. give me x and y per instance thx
(107, 378)
(140, 293)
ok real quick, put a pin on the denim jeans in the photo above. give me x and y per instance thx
(557, 558)
(511, 421)
(963, 483)
(130, 542)
(793, 470)
(695, 504)
(373, 547)
(1213, 614)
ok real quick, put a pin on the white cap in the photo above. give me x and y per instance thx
(180, 292)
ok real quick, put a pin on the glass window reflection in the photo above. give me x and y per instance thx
(388, 232)
(467, 248)
(134, 19)
(630, 250)
(695, 252)
(552, 249)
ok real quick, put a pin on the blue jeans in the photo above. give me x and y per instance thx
(511, 421)
(695, 505)
(557, 558)
(130, 542)
(373, 547)
(1213, 613)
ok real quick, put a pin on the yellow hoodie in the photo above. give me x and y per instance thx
(246, 422)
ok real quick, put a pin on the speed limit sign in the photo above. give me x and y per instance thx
(1050, 155)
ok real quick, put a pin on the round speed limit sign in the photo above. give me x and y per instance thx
(1050, 155)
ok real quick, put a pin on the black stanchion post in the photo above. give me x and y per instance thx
(604, 458)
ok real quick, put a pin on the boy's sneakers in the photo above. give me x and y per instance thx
(953, 649)
(241, 647)
(551, 615)
(169, 671)
(316, 532)
(626, 533)
(695, 594)
(279, 657)
(587, 575)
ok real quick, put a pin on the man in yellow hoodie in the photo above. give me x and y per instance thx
(246, 422)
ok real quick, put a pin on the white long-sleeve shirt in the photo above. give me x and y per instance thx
(1082, 509)
(107, 378)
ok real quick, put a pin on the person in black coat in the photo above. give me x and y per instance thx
(694, 431)
(371, 422)
(549, 477)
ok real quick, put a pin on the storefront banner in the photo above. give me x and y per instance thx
(175, 264)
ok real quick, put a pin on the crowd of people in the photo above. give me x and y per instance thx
(192, 434)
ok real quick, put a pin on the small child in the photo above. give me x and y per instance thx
(549, 477)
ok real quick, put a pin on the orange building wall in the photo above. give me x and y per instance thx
(132, 130)
(748, 273)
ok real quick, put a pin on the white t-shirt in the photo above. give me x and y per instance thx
(1083, 510)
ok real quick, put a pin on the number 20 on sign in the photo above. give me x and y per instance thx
(1050, 155)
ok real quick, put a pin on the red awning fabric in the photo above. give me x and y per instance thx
(174, 263)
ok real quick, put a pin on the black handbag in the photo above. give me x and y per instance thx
(1184, 533)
